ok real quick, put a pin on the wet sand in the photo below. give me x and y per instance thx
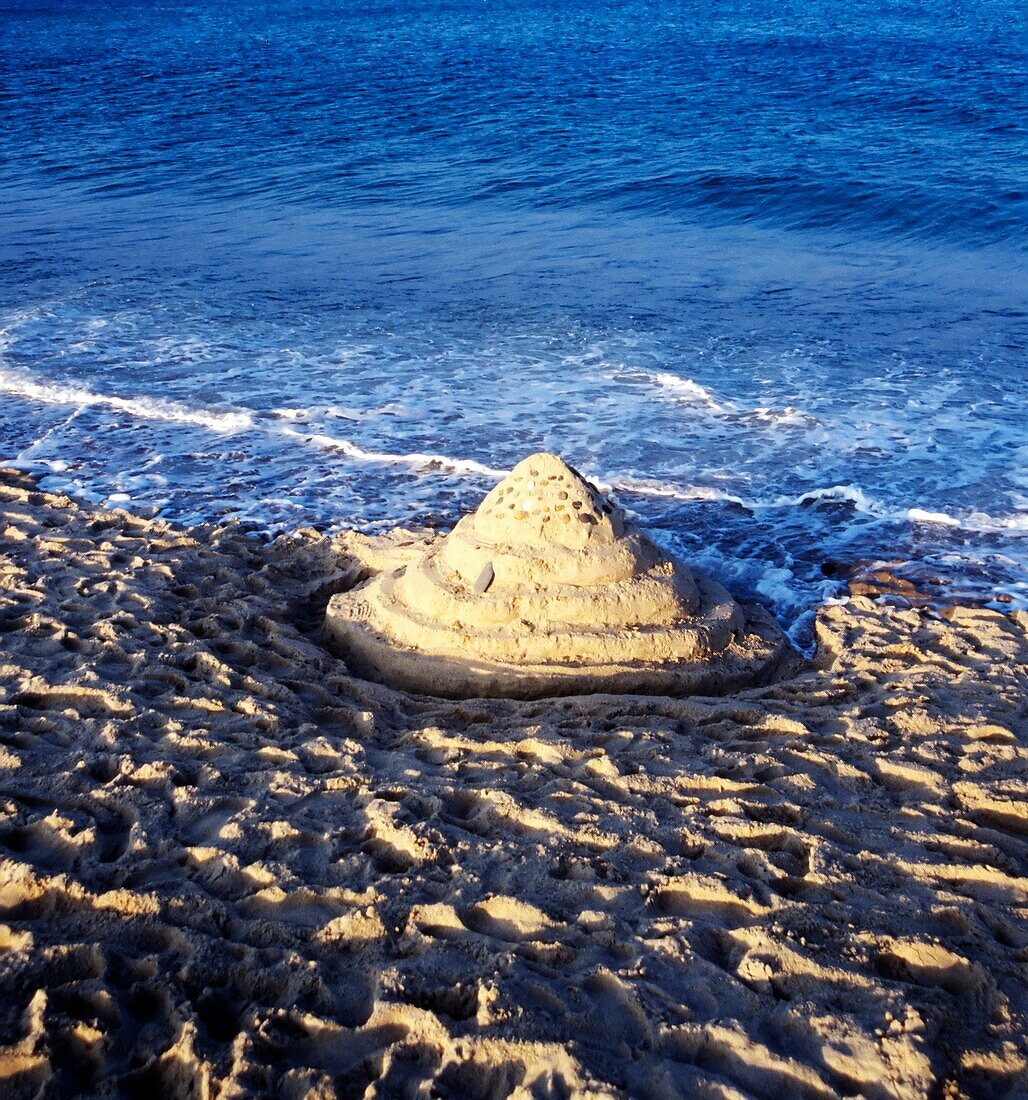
(230, 868)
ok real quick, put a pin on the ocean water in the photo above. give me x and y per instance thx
(758, 267)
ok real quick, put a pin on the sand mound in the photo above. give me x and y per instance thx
(548, 589)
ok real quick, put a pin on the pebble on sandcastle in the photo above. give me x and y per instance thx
(547, 589)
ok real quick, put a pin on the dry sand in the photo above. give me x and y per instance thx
(228, 868)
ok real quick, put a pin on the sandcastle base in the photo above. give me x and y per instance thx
(760, 655)
(549, 588)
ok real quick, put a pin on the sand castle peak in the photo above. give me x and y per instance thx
(544, 500)
(544, 524)
(549, 589)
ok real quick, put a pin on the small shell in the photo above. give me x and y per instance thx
(485, 578)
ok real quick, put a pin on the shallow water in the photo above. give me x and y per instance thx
(759, 268)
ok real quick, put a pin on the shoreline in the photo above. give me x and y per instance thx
(227, 865)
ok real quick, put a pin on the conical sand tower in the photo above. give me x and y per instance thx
(549, 590)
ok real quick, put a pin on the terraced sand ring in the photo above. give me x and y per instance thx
(548, 589)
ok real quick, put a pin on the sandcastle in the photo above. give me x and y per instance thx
(548, 589)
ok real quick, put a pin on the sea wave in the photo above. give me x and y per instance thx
(851, 495)
(281, 423)
(20, 384)
(689, 392)
(417, 461)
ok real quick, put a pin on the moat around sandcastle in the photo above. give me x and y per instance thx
(549, 589)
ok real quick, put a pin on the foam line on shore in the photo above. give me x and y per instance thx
(16, 384)
(20, 384)
(845, 494)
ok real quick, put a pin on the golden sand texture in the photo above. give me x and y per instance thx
(229, 868)
(548, 589)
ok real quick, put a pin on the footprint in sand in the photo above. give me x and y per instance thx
(929, 964)
(509, 919)
(706, 898)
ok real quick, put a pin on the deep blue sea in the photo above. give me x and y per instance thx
(758, 266)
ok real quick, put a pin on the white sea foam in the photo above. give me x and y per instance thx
(423, 463)
(972, 521)
(650, 487)
(784, 417)
(852, 494)
(17, 384)
(919, 515)
(313, 412)
(847, 494)
(685, 389)
(285, 422)
(1016, 522)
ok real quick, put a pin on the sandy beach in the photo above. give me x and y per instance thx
(228, 867)
(513, 550)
